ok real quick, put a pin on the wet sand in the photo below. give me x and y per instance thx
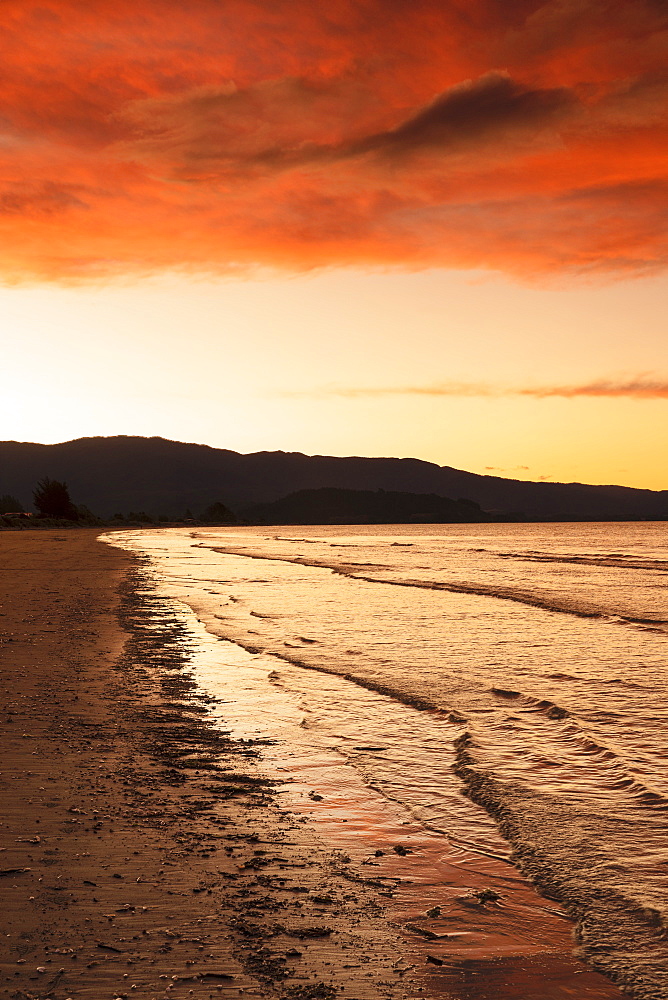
(145, 854)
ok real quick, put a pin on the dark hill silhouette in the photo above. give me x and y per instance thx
(335, 506)
(168, 477)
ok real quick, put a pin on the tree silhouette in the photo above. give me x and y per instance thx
(219, 513)
(52, 499)
(9, 504)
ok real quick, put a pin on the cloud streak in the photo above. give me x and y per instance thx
(638, 388)
(273, 126)
(527, 137)
(492, 108)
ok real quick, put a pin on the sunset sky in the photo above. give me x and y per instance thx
(434, 228)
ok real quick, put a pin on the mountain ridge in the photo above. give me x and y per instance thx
(129, 472)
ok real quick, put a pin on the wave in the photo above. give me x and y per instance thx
(547, 733)
(613, 560)
(301, 541)
(558, 603)
(559, 798)
(563, 845)
(583, 764)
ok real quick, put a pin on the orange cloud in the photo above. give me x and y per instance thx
(527, 137)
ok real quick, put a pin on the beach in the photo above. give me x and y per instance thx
(142, 854)
(161, 839)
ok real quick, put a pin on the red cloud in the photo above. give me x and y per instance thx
(527, 137)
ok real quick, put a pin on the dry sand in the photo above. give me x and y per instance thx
(143, 854)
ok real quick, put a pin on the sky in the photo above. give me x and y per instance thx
(428, 229)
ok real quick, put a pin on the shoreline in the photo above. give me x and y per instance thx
(517, 944)
(147, 854)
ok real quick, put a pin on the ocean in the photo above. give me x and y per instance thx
(498, 693)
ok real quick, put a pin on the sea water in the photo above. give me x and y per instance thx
(523, 665)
